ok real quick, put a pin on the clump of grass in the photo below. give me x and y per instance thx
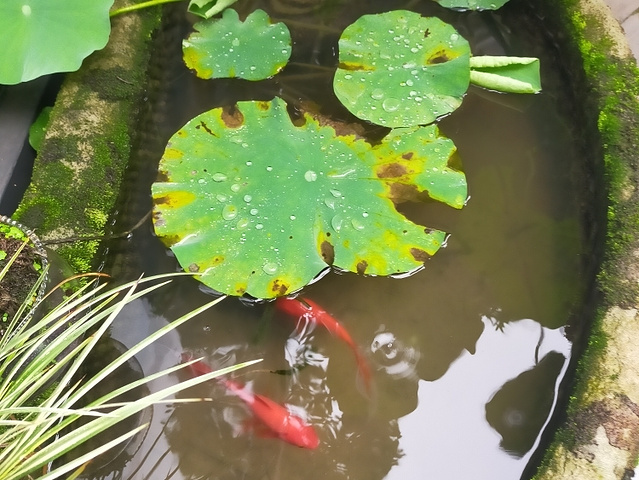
(37, 429)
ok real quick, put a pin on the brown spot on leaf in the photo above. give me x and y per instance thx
(170, 240)
(263, 105)
(407, 155)
(162, 176)
(401, 192)
(438, 57)
(354, 67)
(328, 252)
(391, 170)
(206, 128)
(362, 265)
(427, 33)
(232, 117)
(279, 287)
(419, 254)
(194, 268)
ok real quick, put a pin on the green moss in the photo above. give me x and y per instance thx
(83, 157)
(614, 90)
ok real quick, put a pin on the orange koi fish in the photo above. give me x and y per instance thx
(280, 422)
(304, 308)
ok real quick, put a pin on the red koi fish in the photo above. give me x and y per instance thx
(302, 307)
(280, 422)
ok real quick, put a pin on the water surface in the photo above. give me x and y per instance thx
(468, 354)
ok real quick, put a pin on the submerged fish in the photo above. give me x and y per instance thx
(304, 308)
(279, 421)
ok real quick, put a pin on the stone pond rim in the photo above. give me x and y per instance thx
(599, 439)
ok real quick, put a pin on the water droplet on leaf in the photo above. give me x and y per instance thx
(229, 212)
(270, 268)
(377, 94)
(336, 222)
(219, 177)
(310, 176)
(357, 224)
(390, 104)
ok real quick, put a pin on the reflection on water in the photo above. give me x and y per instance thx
(466, 355)
(447, 435)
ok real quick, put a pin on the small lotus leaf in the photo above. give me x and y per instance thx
(472, 4)
(39, 37)
(260, 206)
(400, 69)
(506, 74)
(227, 48)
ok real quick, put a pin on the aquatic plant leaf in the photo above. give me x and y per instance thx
(39, 37)
(38, 128)
(472, 4)
(400, 69)
(226, 48)
(261, 206)
(208, 8)
(506, 74)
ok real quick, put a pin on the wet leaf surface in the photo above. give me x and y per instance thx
(39, 37)
(400, 69)
(229, 48)
(260, 206)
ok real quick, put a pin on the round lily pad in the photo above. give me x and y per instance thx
(258, 205)
(228, 48)
(400, 69)
(39, 37)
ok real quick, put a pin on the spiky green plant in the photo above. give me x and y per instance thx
(52, 349)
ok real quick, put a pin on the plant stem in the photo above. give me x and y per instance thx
(138, 6)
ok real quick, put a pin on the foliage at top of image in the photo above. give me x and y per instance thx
(472, 4)
(39, 37)
(208, 8)
(261, 206)
(229, 48)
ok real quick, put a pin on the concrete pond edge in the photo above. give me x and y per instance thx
(81, 164)
(599, 438)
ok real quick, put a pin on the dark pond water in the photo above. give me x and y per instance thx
(468, 355)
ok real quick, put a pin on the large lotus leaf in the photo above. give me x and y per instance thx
(226, 48)
(400, 69)
(39, 37)
(258, 205)
(472, 4)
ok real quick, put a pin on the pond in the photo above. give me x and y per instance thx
(468, 355)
